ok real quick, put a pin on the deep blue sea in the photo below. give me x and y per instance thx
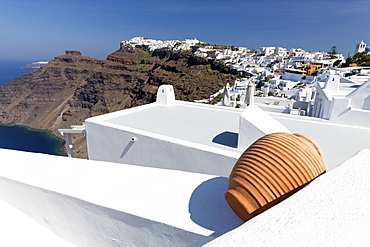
(12, 69)
(25, 139)
(22, 138)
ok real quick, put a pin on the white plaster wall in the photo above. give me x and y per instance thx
(255, 123)
(322, 105)
(18, 230)
(354, 109)
(90, 225)
(107, 143)
(332, 84)
(360, 98)
(352, 117)
(339, 107)
(91, 203)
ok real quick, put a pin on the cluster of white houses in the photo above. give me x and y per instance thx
(285, 74)
(154, 44)
(331, 95)
(242, 58)
(340, 95)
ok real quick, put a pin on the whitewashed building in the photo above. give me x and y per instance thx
(159, 190)
(179, 126)
(360, 47)
(342, 100)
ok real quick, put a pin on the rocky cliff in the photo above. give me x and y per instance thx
(73, 87)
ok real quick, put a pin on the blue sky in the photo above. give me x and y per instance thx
(43, 29)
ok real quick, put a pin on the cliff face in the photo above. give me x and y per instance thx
(72, 87)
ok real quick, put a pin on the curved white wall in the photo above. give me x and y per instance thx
(103, 204)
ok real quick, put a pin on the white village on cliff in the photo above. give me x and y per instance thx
(282, 159)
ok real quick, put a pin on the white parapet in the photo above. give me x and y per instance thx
(255, 123)
(183, 136)
(18, 229)
(94, 203)
(166, 95)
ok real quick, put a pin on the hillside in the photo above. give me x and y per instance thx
(73, 87)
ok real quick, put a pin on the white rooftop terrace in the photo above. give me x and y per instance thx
(184, 136)
(177, 135)
(95, 203)
(209, 135)
(217, 127)
(345, 88)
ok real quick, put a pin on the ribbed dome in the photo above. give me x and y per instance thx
(271, 169)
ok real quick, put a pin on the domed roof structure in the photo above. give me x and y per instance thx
(367, 48)
(271, 169)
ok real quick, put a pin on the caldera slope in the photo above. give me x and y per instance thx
(73, 87)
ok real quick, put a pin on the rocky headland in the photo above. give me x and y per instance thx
(73, 87)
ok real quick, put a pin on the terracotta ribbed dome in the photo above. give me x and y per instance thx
(271, 169)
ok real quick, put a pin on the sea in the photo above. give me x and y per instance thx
(11, 69)
(20, 137)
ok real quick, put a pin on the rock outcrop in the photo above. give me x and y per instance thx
(73, 87)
